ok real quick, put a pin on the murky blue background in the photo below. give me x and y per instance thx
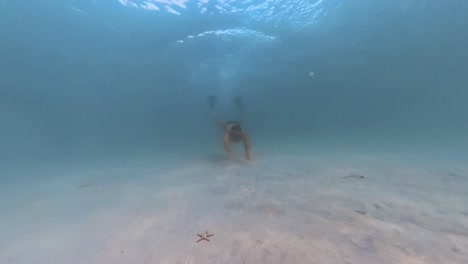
(91, 80)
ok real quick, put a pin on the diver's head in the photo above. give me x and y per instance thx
(236, 128)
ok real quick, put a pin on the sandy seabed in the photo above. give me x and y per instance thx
(331, 208)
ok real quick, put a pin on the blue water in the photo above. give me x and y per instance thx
(85, 81)
(82, 77)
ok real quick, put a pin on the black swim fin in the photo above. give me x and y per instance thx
(238, 102)
(212, 101)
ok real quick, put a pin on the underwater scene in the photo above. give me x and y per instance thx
(233, 131)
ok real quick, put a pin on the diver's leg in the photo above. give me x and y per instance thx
(246, 141)
(227, 144)
(212, 101)
(218, 121)
(238, 101)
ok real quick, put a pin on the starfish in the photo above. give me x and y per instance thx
(204, 236)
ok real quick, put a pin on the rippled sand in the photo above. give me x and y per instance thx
(332, 208)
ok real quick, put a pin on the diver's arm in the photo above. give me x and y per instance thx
(246, 141)
(227, 143)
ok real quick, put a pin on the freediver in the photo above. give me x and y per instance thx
(233, 130)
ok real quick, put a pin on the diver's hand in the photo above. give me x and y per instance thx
(247, 155)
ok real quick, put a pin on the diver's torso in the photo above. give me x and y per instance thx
(235, 131)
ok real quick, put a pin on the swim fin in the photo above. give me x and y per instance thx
(212, 101)
(238, 102)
